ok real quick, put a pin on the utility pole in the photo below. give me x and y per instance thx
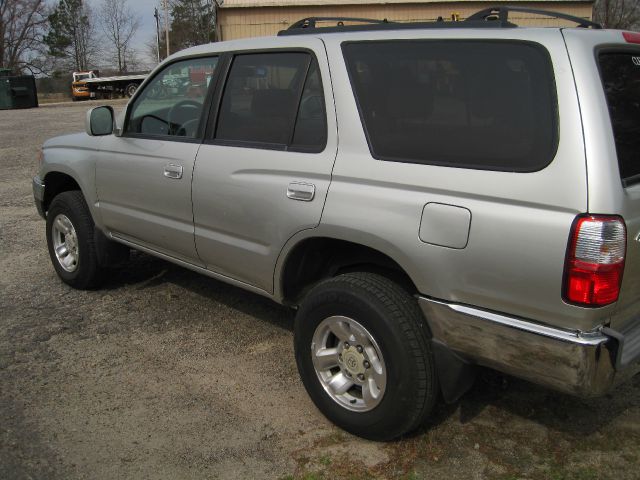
(166, 24)
(157, 17)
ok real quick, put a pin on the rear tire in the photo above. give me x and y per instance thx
(71, 241)
(130, 89)
(364, 355)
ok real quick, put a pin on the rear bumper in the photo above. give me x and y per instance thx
(38, 195)
(580, 363)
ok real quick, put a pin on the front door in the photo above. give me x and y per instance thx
(263, 173)
(143, 177)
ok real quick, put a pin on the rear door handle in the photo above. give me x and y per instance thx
(301, 191)
(173, 171)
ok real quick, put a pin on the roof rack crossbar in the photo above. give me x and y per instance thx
(310, 22)
(502, 14)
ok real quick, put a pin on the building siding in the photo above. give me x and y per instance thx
(242, 22)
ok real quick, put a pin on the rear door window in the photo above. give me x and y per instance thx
(620, 72)
(484, 105)
(273, 100)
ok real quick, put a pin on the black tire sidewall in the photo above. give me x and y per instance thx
(130, 89)
(389, 418)
(72, 205)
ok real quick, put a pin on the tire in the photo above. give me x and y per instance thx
(71, 241)
(395, 364)
(130, 89)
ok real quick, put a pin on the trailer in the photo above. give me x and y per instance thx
(89, 84)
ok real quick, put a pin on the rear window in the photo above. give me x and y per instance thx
(487, 105)
(621, 81)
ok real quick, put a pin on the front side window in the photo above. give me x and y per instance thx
(273, 99)
(171, 103)
(484, 105)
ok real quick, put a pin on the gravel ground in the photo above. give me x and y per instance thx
(167, 374)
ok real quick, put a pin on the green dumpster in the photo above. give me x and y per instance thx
(17, 91)
(5, 94)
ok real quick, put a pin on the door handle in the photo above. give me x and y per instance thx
(301, 191)
(173, 171)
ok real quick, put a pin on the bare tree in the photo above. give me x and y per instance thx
(22, 25)
(620, 14)
(119, 25)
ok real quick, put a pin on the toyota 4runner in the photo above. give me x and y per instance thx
(429, 197)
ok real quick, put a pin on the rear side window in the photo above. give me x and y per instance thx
(273, 100)
(487, 105)
(621, 81)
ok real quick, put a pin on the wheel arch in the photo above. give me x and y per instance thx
(57, 182)
(316, 258)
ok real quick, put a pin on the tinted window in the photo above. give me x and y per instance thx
(621, 80)
(310, 131)
(261, 98)
(484, 105)
(171, 104)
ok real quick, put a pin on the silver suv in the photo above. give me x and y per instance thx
(429, 197)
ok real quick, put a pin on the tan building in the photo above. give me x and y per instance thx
(251, 18)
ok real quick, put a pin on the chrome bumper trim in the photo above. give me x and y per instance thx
(38, 188)
(580, 363)
(38, 195)
(594, 337)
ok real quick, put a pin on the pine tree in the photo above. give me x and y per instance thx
(193, 23)
(70, 36)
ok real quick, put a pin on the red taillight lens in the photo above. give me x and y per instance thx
(631, 37)
(595, 260)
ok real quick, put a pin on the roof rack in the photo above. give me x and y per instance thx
(310, 22)
(308, 25)
(502, 14)
(495, 17)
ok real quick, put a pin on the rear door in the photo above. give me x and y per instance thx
(263, 173)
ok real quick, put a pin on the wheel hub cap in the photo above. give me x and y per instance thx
(353, 361)
(65, 242)
(349, 363)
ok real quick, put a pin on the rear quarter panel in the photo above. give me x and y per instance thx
(520, 222)
(606, 193)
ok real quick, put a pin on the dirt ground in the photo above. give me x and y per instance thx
(165, 374)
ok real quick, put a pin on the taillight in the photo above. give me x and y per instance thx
(631, 37)
(595, 260)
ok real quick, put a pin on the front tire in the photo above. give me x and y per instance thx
(70, 239)
(364, 355)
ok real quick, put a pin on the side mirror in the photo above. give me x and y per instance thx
(99, 121)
